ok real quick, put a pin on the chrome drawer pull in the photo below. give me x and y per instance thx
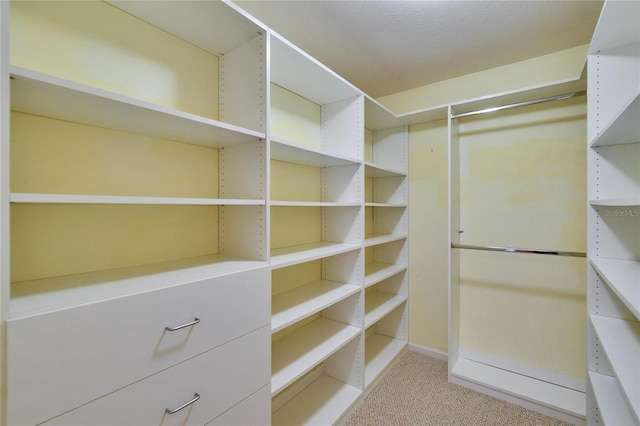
(196, 397)
(189, 324)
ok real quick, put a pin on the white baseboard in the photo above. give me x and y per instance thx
(550, 399)
(430, 352)
(559, 379)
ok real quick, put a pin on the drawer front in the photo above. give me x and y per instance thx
(61, 360)
(221, 377)
(253, 411)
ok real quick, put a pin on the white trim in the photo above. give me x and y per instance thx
(549, 376)
(514, 399)
(429, 351)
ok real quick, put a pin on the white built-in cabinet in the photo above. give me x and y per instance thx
(386, 245)
(613, 394)
(200, 223)
(135, 278)
(332, 240)
(316, 231)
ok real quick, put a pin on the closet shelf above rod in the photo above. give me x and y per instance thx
(520, 250)
(516, 105)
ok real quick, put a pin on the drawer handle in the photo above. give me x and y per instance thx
(196, 397)
(189, 324)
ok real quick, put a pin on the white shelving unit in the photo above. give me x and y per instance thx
(614, 217)
(221, 163)
(317, 233)
(386, 245)
(118, 198)
(239, 206)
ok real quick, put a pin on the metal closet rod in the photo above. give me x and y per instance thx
(516, 105)
(520, 250)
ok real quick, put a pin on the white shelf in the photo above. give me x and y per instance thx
(624, 128)
(298, 72)
(540, 392)
(371, 170)
(573, 85)
(194, 23)
(291, 152)
(378, 304)
(297, 353)
(321, 403)
(312, 204)
(111, 199)
(292, 306)
(616, 202)
(617, 26)
(623, 276)
(384, 205)
(621, 342)
(288, 256)
(377, 116)
(376, 239)
(39, 296)
(375, 272)
(612, 407)
(380, 351)
(39, 94)
(613, 112)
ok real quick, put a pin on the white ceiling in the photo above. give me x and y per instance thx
(388, 46)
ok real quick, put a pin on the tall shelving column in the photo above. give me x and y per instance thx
(137, 175)
(613, 358)
(316, 223)
(386, 233)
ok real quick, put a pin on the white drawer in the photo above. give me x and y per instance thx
(253, 411)
(61, 360)
(221, 377)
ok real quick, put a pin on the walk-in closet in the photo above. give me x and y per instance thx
(223, 212)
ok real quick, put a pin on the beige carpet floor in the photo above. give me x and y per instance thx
(415, 391)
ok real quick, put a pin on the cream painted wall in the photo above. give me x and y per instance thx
(566, 64)
(523, 184)
(294, 118)
(529, 163)
(428, 213)
(97, 44)
(558, 154)
(53, 156)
